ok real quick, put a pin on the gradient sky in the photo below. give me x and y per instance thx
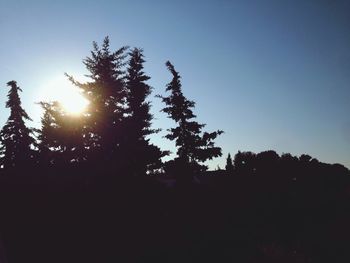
(271, 74)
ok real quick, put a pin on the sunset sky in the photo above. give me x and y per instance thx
(271, 74)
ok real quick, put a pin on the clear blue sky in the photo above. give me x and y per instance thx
(271, 74)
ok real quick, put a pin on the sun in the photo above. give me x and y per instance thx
(73, 102)
(69, 96)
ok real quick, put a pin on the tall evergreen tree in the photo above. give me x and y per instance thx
(107, 96)
(16, 137)
(193, 146)
(139, 153)
(229, 165)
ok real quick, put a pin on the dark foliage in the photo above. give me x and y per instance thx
(106, 93)
(61, 140)
(193, 146)
(140, 155)
(15, 136)
(229, 165)
(291, 211)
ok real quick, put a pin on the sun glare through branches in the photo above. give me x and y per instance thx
(70, 97)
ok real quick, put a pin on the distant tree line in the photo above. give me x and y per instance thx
(269, 163)
(112, 133)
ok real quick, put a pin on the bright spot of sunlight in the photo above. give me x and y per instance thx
(69, 96)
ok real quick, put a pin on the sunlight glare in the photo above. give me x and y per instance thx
(69, 96)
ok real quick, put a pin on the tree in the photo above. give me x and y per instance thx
(229, 165)
(139, 154)
(45, 136)
(16, 137)
(107, 96)
(193, 146)
(245, 162)
(305, 158)
(61, 140)
(267, 160)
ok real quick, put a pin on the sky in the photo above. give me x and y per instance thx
(273, 75)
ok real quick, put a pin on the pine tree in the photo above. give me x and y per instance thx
(229, 165)
(61, 140)
(193, 146)
(45, 136)
(139, 153)
(16, 137)
(107, 96)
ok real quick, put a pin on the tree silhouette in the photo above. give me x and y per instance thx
(61, 136)
(139, 153)
(305, 158)
(193, 146)
(266, 160)
(229, 165)
(107, 96)
(15, 136)
(245, 162)
(45, 136)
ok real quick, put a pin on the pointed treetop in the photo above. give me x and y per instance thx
(229, 164)
(15, 136)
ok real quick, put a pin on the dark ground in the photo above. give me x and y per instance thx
(70, 217)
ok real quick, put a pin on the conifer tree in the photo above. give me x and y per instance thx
(16, 137)
(229, 165)
(61, 140)
(45, 136)
(107, 96)
(193, 146)
(139, 153)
